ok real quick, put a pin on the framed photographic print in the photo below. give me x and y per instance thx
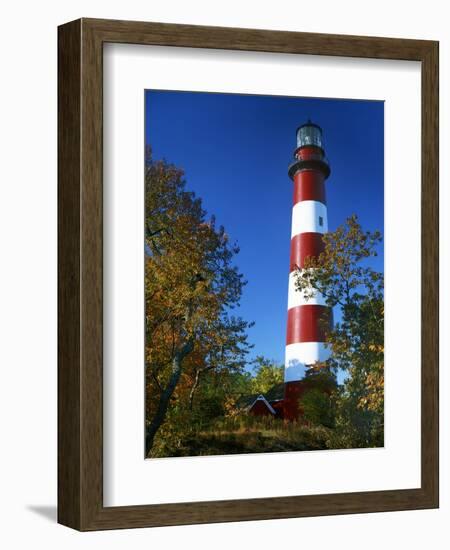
(248, 274)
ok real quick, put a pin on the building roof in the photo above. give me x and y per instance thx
(274, 394)
(309, 123)
(262, 399)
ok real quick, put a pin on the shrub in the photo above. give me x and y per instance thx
(318, 407)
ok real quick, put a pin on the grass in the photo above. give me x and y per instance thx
(245, 434)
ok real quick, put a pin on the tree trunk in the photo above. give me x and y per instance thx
(166, 394)
(193, 389)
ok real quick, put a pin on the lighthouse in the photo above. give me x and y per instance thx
(307, 317)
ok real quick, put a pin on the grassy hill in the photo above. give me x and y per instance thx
(246, 434)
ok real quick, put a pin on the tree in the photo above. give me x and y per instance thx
(191, 288)
(343, 276)
(267, 375)
(318, 402)
(318, 407)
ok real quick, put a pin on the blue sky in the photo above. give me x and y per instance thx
(235, 151)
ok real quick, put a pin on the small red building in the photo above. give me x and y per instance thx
(261, 407)
(283, 400)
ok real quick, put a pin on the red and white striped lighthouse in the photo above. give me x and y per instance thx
(305, 328)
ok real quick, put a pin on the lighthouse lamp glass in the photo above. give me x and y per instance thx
(309, 135)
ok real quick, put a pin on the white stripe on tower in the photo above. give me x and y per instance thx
(300, 298)
(309, 217)
(301, 354)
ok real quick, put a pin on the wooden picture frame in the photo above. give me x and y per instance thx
(80, 271)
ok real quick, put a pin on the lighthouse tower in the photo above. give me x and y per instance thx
(305, 320)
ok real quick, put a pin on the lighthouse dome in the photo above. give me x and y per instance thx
(309, 134)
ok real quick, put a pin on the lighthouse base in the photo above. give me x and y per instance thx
(287, 407)
(292, 394)
(284, 400)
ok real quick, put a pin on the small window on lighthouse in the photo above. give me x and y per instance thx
(320, 221)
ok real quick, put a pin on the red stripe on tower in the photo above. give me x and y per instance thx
(309, 186)
(304, 245)
(308, 318)
(307, 323)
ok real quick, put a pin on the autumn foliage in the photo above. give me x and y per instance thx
(191, 287)
(348, 283)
